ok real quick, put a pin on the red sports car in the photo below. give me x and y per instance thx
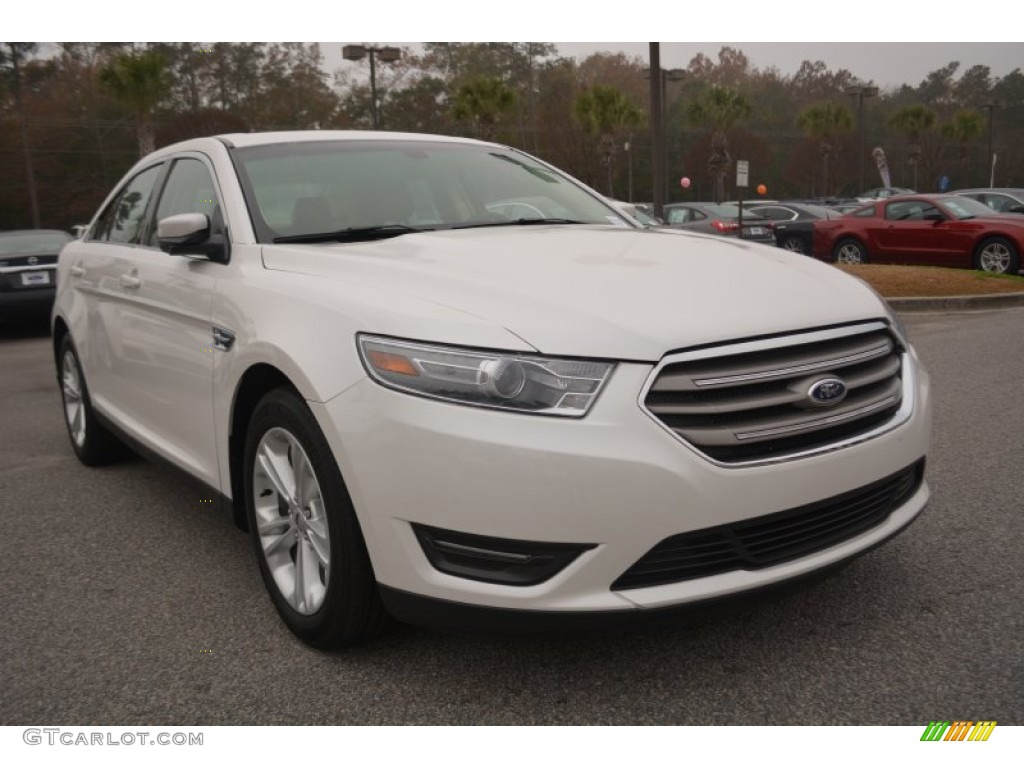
(933, 230)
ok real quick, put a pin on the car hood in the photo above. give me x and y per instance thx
(594, 291)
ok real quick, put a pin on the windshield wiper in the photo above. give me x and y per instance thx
(353, 234)
(518, 223)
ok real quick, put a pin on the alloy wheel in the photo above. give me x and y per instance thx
(74, 408)
(995, 257)
(849, 254)
(291, 521)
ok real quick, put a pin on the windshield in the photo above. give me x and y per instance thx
(310, 188)
(32, 242)
(966, 208)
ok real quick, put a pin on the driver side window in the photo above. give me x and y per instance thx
(189, 189)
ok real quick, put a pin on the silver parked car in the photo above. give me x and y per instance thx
(719, 219)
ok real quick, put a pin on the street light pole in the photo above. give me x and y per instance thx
(861, 91)
(991, 167)
(664, 76)
(387, 54)
(657, 133)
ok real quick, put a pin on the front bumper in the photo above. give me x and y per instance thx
(615, 479)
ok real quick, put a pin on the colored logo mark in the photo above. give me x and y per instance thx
(959, 730)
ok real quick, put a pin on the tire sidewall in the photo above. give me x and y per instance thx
(350, 582)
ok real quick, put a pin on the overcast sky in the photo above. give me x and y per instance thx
(887, 64)
(887, 61)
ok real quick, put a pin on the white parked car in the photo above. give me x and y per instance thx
(440, 380)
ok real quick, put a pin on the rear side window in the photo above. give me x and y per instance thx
(122, 221)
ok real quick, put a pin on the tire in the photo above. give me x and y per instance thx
(92, 443)
(795, 244)
(850, 251)
(304, 530)
(997, 255)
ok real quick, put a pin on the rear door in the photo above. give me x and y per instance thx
(95, 281)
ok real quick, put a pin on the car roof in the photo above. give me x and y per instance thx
(1004, 190)
(287, 137)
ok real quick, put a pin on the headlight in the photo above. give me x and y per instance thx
(492, 380)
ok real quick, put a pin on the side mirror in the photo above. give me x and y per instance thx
(189, 234)
(1016, 209)
(934, 217)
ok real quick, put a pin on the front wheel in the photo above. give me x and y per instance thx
(850, 251)
(304, 529)
(93, 444)
(997, 255)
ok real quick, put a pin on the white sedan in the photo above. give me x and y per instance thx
(439, 380)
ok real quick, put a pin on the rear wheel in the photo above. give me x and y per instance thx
(794, 244)
(93, 444)
(850, 251)
(304, 529)
(997, 255)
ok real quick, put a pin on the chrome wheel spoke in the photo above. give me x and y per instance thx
(271, 527)
(295, 541)
(275, 545)
(74, 407)
(321, 547)
(278, 473)
(304, 480)
(299, 595)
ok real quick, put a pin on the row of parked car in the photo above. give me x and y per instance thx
(970, 228)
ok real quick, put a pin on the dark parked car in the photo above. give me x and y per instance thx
(933, 230)
(719, 219)
(28, 268)
(793, 227)
(1000, 200)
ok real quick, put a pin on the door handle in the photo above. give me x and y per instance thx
(130, 281)
(77, 271)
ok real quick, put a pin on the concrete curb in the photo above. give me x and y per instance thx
(955, 303)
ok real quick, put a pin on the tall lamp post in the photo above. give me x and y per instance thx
(667, 75)
(657, 135)
(992, 105)
(387, 54)
(861, 91)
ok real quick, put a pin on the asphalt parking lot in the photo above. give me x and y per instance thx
(127, 601)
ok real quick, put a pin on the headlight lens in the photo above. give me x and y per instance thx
(492, 380)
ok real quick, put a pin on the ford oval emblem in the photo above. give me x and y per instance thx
(827, 391)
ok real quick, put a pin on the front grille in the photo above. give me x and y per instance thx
(755, 406)
(772, 539)
(28, 261)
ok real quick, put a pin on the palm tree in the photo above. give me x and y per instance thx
(605, 111)
(912, 123)
(483, 101)
(965, 127)
(826, 122)
(720, 109)
(140, 81)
